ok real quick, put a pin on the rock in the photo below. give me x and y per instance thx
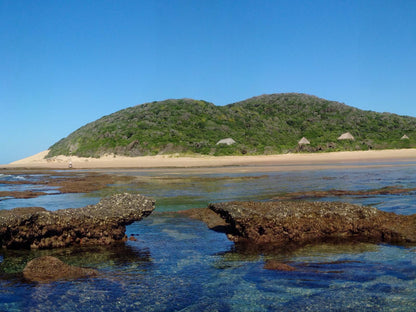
(388, 190)
(102, 224)
(21, 194)
(278, 266)
(49, 269)
(301, 222)
(20, 211)
(209, 217)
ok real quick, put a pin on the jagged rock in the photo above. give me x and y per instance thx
(101, 224)
(49, 269)
(300, 222)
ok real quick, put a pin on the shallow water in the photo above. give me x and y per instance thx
(178, 264)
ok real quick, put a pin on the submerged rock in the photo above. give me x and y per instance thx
(301, 222)
(49, 269)
(101, 224)
(278, 266)
(211, 219)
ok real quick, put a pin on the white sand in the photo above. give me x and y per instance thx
(161, 161)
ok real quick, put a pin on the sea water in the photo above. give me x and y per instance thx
(178, 264)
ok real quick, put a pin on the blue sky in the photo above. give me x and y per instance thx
(66, 63)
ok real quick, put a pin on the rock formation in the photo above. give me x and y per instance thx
(49, 269)
(300, 222)
(101, 224)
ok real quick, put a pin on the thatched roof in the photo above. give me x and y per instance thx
(404, 137)
(227, 141)
(304, 141)
(346, 136)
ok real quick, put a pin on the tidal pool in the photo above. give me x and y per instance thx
(178, 264)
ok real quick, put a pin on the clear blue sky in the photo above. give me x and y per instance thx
(66, 63)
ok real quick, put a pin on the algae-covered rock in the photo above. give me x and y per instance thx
(49, 269)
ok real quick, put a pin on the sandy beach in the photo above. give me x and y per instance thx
(175, 161)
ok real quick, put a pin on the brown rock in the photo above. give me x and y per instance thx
(67, 183)
(102, 224)
(300, 222)
(278, 266)
(21, 194)
(209, 217)
(48, 269)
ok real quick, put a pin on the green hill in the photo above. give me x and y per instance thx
(260, 125)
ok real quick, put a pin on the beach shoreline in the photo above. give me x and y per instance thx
(38, 161)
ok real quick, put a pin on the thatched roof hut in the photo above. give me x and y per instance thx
(227, 141)
(404, 137)
(346, 136)
(304, 141)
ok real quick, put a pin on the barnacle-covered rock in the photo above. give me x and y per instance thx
(101, 224)
(299, 222)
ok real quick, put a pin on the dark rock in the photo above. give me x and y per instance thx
(49, 269)
(209, 217)
(102, 224)
(278, 266)
(301, 222)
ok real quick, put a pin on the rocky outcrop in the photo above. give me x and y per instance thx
(48, 269)
(300, 222)
(101, 224)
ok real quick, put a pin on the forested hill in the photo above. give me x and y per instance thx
(260, 125)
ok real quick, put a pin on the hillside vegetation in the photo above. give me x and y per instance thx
(260, 125)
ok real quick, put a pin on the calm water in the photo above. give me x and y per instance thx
(178, 264)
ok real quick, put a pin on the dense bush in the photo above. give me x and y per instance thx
(261, 125)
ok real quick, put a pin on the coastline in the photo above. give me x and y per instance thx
(174, 161)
